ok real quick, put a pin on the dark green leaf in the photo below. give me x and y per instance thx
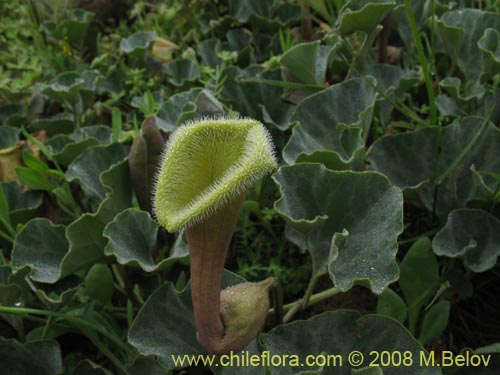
(181, 71)
(309, 61)
(41, 246)
(137, 42)
(9, 136)
(254, 98)
(65, 148)
(332, 121)
(175, 109)
(409, 160)
(165, 324)
(361, 15)
(4, 208)
(62, 123)
(418, 278)
(341, 332)
(208, 105)
(88, 167)
(147, 365)
(86, 244)
(471, 234)
(77, 31)
(56, 294)
(22, 204)
(344, 218)
(34, 179)
(470, 90)
(460, 32)
(489, 45)
(12, 115)
(64, 88)
(11, 296)
(242, 9)
(435, 322)
(391, 304)
(447, 106)
(99, 283)
(87, 367)
(40, 358)
(131, 236)
(116, 181)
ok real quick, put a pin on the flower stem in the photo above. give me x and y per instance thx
(294, 307)
(208, 242)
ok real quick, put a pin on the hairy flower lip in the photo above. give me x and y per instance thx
(256, 160)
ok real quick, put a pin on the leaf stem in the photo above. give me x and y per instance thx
(401, 107)
(48, 323)
(416, 238)
(294, 307)
(6, 236)
(466, 149)
(78, 322)
(423, 62)
(8, 226)
(105, 350)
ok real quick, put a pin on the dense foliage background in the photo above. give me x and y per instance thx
(385, 117)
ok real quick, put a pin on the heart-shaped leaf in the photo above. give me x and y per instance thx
(61, 123)
(409, 160)
(345, 218)
(51, 247)
(88, 167)
(177, 109)
(22, 204)
(87, 367)
(471, 234)
(248, 92)
(332, 122)
(489, 45)
(12, 115)
(341, 333)
(361, 15)
(138, 42)
(309, 61)
(64, 88)
(265, 14)
(147, 365)
(132, 235)
(39, 357)
(465, 36)
(9, 136)
(181, 71)
(66, 148)
(242, 9)
(61, 251)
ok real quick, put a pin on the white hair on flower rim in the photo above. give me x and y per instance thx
(205, 164)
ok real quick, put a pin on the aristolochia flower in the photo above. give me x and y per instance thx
(206, 170)
(207, 164)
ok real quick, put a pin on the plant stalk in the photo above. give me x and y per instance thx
(423, 62)
(208, 242)
(315, 298)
